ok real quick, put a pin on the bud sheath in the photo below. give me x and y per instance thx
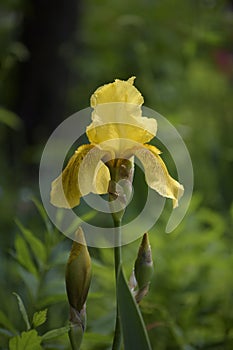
(143, 268)
(78, 272)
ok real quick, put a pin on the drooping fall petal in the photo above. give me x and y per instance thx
(156, 174)
(65, 191)
(81, 176)
(93, 175)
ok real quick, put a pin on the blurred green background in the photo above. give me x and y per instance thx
(53, 55)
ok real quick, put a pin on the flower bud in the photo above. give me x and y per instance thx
(143, 268)
(78, 272)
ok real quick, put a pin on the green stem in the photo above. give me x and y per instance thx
(118, 260)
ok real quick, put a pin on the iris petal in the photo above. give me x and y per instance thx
(83, 174)
(101, 180)
(118, 91)
(65, 191)
(118, 115)
(156, 174)
(93, 174)
(100, 132)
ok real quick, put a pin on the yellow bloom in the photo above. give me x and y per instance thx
(118, 130)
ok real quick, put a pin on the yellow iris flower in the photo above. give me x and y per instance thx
(118, 130)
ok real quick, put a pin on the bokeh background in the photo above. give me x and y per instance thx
(53, 55)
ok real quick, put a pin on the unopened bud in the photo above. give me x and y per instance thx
(78, 272)
(143, 268)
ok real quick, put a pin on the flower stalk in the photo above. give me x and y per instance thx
(120, 188)
(118, 262)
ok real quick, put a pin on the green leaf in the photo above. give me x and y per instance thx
(30, 280)
(43, 214)
(23, 311)
(39, 318)
(35, 244)
(51, 299)
(10, 119)
(95, 339)
(76, 336)
(77, 221)
(5, 322)
(134, 330)
(27, 341)
(6, 333)
(23, 255)
(55, 333)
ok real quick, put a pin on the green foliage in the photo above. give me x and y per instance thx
(135, 336)
(37, 262)
(55, 333)
(39, 318)
(27, 341)
(34, 243)
(23, 255)
(10, 119)
(23, 311)
(31, 339)
(5, 322)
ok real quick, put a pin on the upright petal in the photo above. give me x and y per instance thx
(156, 174)
(117, 115)
(117, 120)
(118, 91)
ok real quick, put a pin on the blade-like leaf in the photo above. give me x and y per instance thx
(39, 318)
(134, 331)
(23, 311)
(56, 333)
(23, 255)
(27, 341)
(6, 333)
(10, 119)
(51, 299)
(43, 214)
(30, 280)
(5, 322)
(35, 244)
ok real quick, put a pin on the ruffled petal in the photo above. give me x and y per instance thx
(156, 174)
(83, 174)
(65, 191)
(118, 116)
(118, 91)
(116, 123)
(93, 174)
